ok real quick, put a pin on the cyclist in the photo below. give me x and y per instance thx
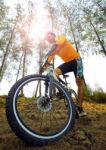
(72, 63)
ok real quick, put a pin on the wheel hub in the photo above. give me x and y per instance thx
(44, 104)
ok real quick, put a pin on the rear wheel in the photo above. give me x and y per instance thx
(35, 117)
(74, 96)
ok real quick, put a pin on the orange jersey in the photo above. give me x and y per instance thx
(66, 51)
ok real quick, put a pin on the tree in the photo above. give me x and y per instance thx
(7, 47)
(90, 18)
(3, 30)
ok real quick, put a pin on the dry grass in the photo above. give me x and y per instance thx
(88, 132)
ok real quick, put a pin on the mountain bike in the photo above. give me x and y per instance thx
(40, 109)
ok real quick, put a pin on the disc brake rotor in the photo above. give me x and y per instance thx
(44, 104)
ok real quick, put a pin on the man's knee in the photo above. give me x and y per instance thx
(57, 71)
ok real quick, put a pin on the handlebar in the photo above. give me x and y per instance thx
(45, 62)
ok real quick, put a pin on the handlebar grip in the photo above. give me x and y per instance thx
(41, 70)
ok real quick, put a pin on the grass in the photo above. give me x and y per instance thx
(98, 95)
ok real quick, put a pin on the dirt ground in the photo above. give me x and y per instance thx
(88, 133)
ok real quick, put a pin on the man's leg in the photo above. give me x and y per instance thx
(57, 72)
(80, 84)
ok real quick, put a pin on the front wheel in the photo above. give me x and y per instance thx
(33, 116)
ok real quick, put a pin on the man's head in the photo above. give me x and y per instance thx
(50, 37)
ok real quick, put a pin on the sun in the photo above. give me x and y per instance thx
(39, 26)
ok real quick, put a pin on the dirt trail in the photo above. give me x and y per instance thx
(88, 133)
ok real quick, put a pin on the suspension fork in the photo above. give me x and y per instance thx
(66, 83)
(49, 86)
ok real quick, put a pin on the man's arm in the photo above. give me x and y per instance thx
(54, 50)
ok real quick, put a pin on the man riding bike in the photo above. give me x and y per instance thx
(72, 63)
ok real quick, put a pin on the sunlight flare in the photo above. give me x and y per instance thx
(39, 26)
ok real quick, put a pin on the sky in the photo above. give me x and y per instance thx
(94, 72)
(94, 66)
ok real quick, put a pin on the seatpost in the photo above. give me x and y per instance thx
(66, 82)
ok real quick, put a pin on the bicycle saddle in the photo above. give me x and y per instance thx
(65, 75)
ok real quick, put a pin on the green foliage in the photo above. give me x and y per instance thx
(97, 96)
(87, 91)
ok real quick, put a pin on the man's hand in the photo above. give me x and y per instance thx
(43, 68)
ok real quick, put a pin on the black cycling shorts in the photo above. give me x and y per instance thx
(75, 66)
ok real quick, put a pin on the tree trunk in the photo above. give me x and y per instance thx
(72, 30)
(52, 26)
(100, 42)
(24, 65)
(35, 95)
(23, 71)
(7, 48)
(19, 68)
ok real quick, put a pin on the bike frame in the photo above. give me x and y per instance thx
(50, 78)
